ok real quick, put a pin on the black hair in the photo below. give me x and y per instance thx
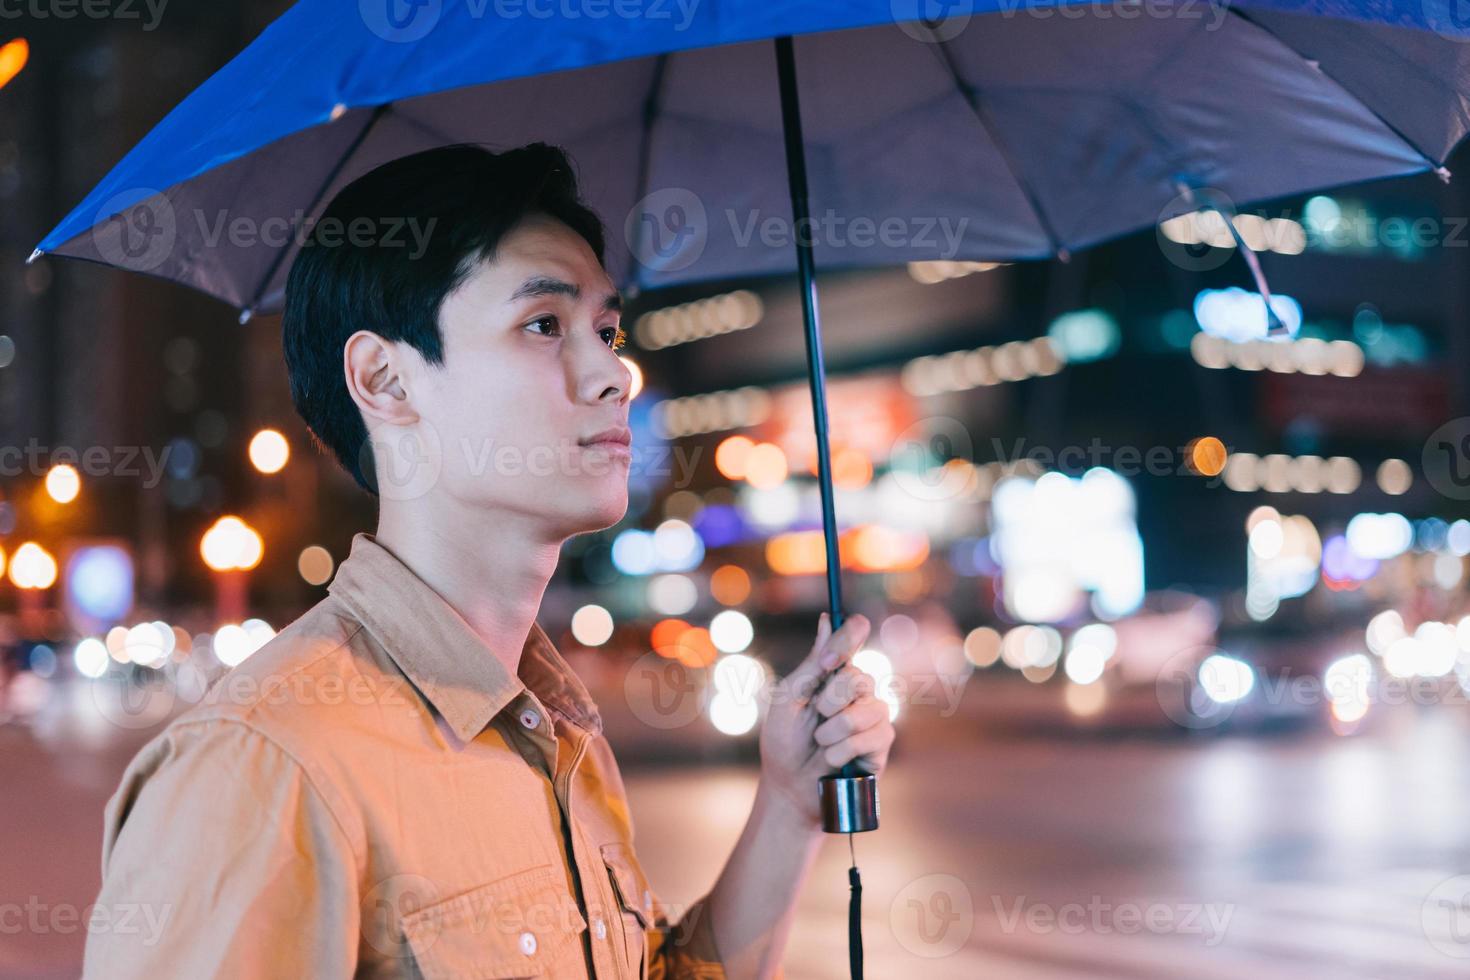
(460, 201)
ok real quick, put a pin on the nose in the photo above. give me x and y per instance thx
(600, 374)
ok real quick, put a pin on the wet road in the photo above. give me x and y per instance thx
(1305, 855)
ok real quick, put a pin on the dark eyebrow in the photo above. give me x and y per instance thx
(549, 286)
(544, 286)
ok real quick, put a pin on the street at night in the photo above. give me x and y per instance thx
(1000, 855)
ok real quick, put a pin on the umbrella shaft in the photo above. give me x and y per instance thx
(806, 273)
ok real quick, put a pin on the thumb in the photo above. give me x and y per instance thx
(831, 649)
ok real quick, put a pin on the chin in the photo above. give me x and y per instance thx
(602, 514)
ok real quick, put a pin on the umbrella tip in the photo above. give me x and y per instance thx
(36, 253)
(245, 315)
(1443, 173)
(1064, 255)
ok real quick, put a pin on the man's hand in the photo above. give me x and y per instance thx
(813, 728)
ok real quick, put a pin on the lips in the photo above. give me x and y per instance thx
(619, 436)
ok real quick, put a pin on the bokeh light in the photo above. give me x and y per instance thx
(63, 483)
(1208, 456)
(32, 567)
(730, 456)
(731, 631)
(765, 465)
(729, 585)
(592, 625)
(315, 565)
(231, 545)
(1395, 477)
(269, 451)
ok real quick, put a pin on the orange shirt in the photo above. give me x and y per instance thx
(373, 794)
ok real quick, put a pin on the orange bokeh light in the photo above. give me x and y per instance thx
(730, 457)
(694, 648)
(13, 57)
(883, 549)
(729, 585)
(851, 469)
(1207, 456)
(765, 465)
(665, 636)
(798, 553)
(867, 548)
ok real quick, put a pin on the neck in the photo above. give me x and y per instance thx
(492, 569)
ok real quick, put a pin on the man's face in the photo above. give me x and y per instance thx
(529, 378)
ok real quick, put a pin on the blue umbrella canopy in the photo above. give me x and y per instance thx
(1015, 129)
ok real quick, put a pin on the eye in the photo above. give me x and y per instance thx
(551, 322)
(614, 337)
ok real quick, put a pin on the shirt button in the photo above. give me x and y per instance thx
(528, 943)
(531, 720)
(599, 929)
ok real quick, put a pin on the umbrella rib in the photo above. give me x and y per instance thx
(1438, 165)
(645, 136)
(969, 93)
(378, 112)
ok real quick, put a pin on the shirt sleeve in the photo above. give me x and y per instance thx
(223, 860)
(684, 950)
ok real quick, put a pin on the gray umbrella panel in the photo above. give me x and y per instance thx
(1021, 138)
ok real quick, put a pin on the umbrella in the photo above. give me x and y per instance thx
(1006, 130)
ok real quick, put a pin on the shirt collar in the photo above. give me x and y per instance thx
(437, 650)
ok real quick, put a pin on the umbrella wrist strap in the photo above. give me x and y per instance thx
(855, 921)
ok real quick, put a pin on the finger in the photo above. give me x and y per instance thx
(873, 742)
(824, 633)
(864, 713)
(802, 674)
(842, 689)
(830, 651)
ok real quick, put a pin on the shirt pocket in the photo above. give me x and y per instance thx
(523, 925)
(635, 903)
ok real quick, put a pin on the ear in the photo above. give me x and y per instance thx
(375, 370)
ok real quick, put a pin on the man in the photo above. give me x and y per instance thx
(409, 780)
